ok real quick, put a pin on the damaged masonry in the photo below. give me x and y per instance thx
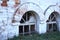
(28, 16)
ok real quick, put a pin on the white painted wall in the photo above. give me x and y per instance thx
(58, 22)
(42, 3)
(38, 6)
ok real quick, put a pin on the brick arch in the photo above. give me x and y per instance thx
(51, 9)
(27, 7)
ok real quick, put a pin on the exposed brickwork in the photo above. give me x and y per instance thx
(4, 3)
(17, 2)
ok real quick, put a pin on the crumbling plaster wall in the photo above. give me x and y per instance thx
(39, 6)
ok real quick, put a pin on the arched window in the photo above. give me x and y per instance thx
(51, 23)
(27, 23)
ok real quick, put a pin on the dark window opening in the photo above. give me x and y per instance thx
(32, 27)
(26, 28)
(20, 29)
(51, 23)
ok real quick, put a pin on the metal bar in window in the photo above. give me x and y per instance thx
(54, 15)
(23, 30)
(52, 18)
(23, 19)
(47, 27)
(35, 26)
(29, 29)
(52, 27)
